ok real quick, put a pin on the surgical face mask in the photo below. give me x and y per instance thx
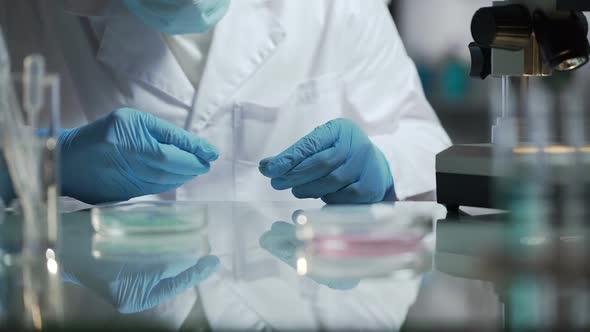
(175, 17)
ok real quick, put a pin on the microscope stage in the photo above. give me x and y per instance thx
(465, 175)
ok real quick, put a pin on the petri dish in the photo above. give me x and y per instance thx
(159, 217)
(382, 223)
(367, 240)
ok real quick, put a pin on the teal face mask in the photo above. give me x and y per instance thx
(175, 17)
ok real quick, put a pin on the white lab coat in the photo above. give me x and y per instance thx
(277, 69)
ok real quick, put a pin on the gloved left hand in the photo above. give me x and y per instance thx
(336, 162)
(128, 154)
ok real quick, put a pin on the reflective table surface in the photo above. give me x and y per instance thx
(272, 266)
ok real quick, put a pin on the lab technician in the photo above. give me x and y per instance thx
(209, 100)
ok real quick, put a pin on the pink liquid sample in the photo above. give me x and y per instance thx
(348, 246)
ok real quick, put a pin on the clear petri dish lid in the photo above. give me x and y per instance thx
(366, 224)
(160, 217)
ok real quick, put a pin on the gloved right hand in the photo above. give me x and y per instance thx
(128, 154)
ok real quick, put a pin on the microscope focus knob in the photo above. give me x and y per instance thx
(481, 61)
(506, 27)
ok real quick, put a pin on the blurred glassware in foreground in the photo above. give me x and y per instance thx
(32, 161)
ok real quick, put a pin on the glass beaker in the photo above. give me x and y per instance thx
(28, 101)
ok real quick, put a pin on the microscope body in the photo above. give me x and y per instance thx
(512, 39)
(523, 35)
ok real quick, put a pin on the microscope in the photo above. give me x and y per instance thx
(513, 40)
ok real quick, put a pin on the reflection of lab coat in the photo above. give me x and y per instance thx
(254, 290)
(277, 69)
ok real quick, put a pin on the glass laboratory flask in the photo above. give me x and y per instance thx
(30, 100)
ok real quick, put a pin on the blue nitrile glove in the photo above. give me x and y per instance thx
(336, 162)
(128, 154)
(134, 287)
(282, 243)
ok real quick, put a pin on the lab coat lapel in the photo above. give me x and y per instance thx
(244, 40)
(141, 54)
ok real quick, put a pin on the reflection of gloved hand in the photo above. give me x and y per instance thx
(133, 288)
(282, 243)
(337, 162)
(128, 154)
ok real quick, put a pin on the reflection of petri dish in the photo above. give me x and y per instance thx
(149, 218)
(407, 265)
(359, 246)
(151, 248)
(354, 256)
